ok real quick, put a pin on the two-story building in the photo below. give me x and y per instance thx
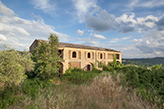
(82, 56)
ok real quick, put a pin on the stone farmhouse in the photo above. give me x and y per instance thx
(82, 56)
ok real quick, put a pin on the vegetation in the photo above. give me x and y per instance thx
(147, 82)
(78, 76)
(46, 58)
(145, 61)
(13, 66)
(118, 86)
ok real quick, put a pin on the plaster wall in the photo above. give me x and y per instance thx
(82, 60)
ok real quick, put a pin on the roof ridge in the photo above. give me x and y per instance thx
(64, 44)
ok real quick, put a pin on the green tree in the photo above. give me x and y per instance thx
(46, 58)
(13, 66)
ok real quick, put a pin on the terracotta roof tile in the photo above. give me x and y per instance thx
(61, 44)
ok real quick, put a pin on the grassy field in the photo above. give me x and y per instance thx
(120, 88)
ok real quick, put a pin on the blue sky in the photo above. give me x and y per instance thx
(134, 27)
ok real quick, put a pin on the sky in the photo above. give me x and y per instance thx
(134, 27)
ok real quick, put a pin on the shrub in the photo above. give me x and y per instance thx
(79, 76)
(13, 66)
(46, 58)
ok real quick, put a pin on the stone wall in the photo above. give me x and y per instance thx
(86, 57)
(83, 58)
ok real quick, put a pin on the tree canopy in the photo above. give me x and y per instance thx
(46, 57)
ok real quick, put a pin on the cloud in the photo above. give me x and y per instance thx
(145, 3)
(151, 43)
(45, 6)
(20, 33)
(36, 16)
(104, 21)
(127, 19)
(84, 6)
(126, 28)
(88, 41)
(2, 37)
(126, 23)
(5, 10)
(80, 32)
(98, 36)
(116, 39)
(160, 22)
(147, 23)
(91, 43)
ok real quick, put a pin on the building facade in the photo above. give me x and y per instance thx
(82, 56)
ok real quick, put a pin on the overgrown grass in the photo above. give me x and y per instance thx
(103, 92)
(14, 94)
(148, 82)
(78, 76)
(136, 87)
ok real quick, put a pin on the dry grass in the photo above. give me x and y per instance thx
(104, 92)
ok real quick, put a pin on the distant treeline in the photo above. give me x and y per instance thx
(144, 61)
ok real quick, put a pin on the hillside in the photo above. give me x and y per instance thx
(144, 61)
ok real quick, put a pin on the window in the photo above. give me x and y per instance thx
(59, 52)
(110, 56)
(74, 54)
(117, 56)
(101, 56)
(89, 55)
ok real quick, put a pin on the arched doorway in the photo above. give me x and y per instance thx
(88, 67)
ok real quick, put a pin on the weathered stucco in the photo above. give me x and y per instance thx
(82, 56)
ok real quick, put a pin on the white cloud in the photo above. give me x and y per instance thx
(80, 32)
(147, 23)
(23, 31)
(152, 43)
(116, 39)
(98, 36)
(45, 6)
(2, 37)
(5, 10)
(125, 38)
(145, 4)
(84, 6)
(127, 19)
(20, 33)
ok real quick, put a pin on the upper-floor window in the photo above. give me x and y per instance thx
(110, 56)
(74, 54)
(117, 56)
(89, 55)
(59, 52)
(101, 56)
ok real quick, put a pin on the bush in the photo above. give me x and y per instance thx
(79, 76)
(29, 88)
(13, 66)
(149, 83)
(46, 58)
